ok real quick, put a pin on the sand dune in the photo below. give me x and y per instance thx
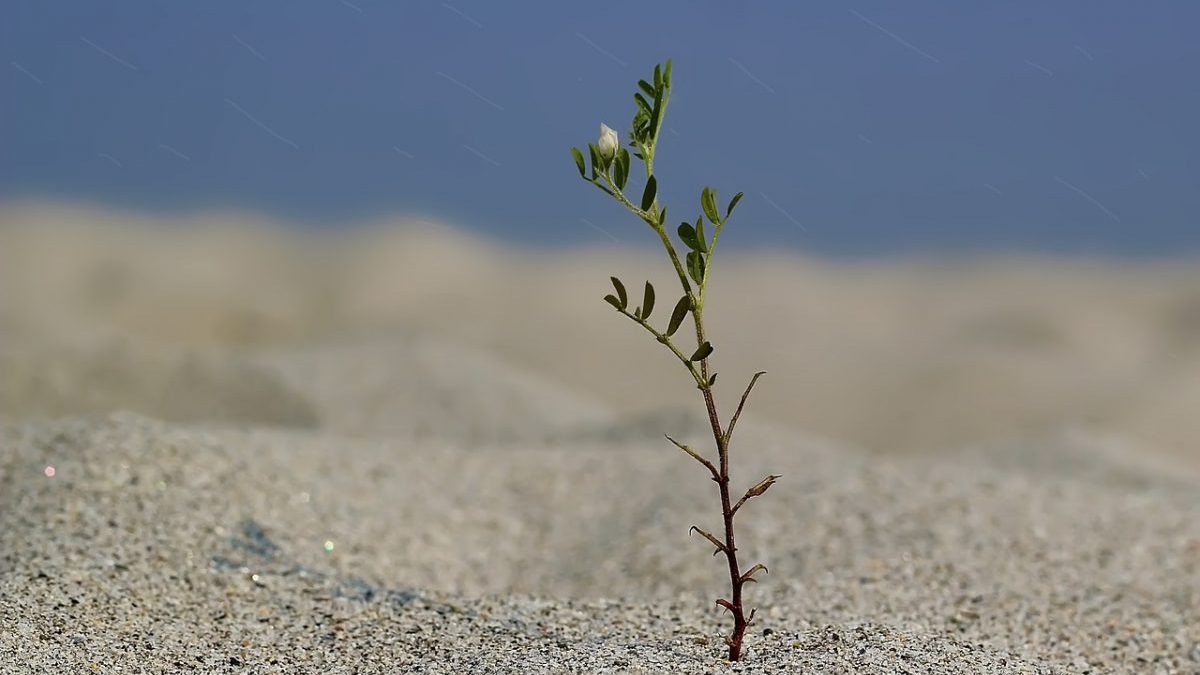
(46, 380)
(890, 356)
(431, 389)
(402, 448)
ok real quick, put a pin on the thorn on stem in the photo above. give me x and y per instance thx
(749, 575)
(726, 604)
(713, 540)
(695, 455)
(741, 404)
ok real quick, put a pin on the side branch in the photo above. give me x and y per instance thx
(619, 195)
(666, 340)
(748, 577)
(761, 487)
(741, 404)
(696, 456)
(651, 218)
(711, 539)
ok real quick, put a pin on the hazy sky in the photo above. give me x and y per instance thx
(854, 127)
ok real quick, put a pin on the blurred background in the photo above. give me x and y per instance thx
(963, 224)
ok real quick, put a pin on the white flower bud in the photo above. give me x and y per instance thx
(608, 141)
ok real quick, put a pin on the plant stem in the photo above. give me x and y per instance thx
(654, 218)
(735, 575)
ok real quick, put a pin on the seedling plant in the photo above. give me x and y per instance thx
(608, 169)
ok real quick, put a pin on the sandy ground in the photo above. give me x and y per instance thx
(409, 450)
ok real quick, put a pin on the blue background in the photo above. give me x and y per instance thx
(854, 127)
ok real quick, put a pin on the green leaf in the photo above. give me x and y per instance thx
(657, 76)
(712, 380)
(621, 169)
(579, 162)
(642, 104)
(600, 163)
(702, 351)
(595, 153)
(657, 112)
(667, 74)
(732, 203)
(680, 313)
(645, 86)
(648, 301)
(641, 121)
(620, 292)
(695, 264)
(649, 193)
(708, 201)
(703, 247)
(687, 234)
(612, 300)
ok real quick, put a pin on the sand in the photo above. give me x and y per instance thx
(389, 466)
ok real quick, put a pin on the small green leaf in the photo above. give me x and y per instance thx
(600, 163)
(646, 87)
(640, 119)
(712, 380)
(595, 156)
(619, 170)
(708, 201)
(657, 76)
(648, 301)
(703, 247)
(695, 264)
(687, 234)
(620, 292)
(732, 203)
(702, 351)
(612, 300)
(649, 193)
(667, 74)
(642, 103)
(680, 313)
(657, 112)
(579, 162)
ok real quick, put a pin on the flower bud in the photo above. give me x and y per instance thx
(608, 141)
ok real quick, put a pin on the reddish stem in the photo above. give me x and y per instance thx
(735, 576)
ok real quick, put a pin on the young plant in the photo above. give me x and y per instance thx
(610, 172)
